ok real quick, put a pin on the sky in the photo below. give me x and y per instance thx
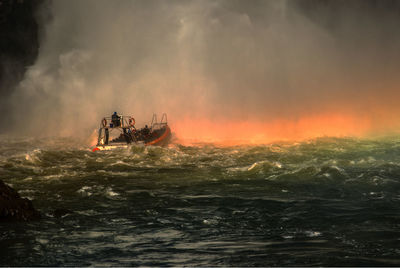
(227, 70)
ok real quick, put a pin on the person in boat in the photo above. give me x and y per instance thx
(146, 131)
(116, 119)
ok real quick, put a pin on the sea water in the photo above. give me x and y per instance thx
(322, 202)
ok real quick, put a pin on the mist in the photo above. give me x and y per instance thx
(222, 69)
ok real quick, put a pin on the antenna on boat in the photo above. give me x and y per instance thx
(164, 116)
(154, 120)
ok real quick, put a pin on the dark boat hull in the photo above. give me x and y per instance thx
(161, 137)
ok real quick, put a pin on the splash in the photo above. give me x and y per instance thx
(221, 70)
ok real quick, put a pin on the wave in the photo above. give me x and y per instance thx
(330, 195)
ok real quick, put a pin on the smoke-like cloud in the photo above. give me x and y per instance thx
(264, 63)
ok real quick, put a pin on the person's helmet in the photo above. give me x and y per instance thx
(115, 113)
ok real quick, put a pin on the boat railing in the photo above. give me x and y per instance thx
(125, 122)
(129, 121)
(154, 123)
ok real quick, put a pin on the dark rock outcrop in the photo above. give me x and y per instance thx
(19, 40)
(13, 207)
(19, 44)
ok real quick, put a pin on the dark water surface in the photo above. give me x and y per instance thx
(326, 202)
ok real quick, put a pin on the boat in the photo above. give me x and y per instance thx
(119, 131)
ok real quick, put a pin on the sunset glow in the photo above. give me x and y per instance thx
(253, 132)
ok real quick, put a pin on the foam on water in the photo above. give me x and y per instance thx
(326, 202)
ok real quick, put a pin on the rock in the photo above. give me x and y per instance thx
(13, 207)
(19, 35)
(20, 25)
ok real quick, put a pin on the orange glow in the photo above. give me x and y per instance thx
(253, 132)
